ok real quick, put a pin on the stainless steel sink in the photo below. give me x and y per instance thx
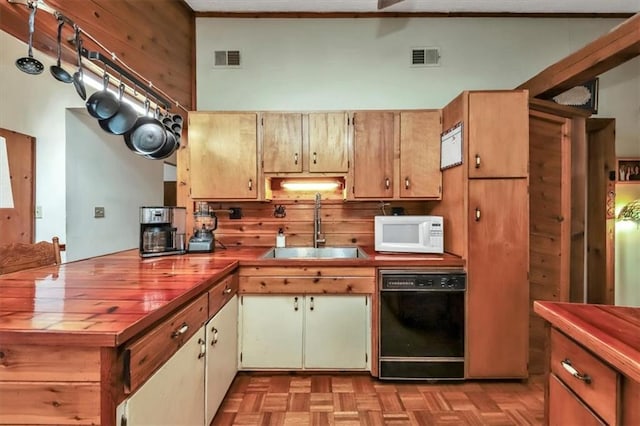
(315, 253)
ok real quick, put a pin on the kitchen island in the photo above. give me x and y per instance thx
(77, 339)
(594, 369)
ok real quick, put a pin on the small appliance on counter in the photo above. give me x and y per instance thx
(203, 239)
(162, 231)
(409, 234)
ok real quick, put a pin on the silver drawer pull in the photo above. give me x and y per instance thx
(227, 290)
(566, 364)
(180, 331)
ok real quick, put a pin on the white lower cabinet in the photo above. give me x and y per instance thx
(222, 356)
(173, 395)
(305, 332)
(271, 331)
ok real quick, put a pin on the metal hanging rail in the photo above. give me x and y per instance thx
(114, 63)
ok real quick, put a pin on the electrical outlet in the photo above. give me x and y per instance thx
(38, 212)
(98, 212)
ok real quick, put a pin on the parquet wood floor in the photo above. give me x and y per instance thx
(334, 399)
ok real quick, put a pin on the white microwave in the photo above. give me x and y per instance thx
(409, 234)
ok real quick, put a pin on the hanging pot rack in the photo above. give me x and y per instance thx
(120, 69)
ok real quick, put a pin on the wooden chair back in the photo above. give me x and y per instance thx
(19, 256)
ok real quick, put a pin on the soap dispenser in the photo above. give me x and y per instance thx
(280, 238)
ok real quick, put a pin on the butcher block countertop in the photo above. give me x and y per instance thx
(610, 332)
(106, 300)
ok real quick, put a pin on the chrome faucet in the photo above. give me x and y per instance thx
(317, 233)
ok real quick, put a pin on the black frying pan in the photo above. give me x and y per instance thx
(103, 104)
(147, 136)
(123, 120)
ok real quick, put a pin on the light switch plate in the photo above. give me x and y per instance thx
(38, 212)
(98, 212)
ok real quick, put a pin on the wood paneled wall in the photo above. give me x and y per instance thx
(154, 37)
(343, 223)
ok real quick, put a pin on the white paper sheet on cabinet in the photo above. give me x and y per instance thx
(451, 147)
(6, 195)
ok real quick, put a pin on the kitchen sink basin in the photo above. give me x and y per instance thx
(315, 253)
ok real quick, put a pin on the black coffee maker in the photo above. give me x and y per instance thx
(162, 231)
(203, 239)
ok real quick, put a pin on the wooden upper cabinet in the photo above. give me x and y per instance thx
(328, 148)
(498, 129)
(282, 142)
(420, 175)
(223, 155)
(373, 143)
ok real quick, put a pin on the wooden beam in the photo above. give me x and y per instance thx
(612, 49)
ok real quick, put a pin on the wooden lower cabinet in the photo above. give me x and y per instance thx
(565, 408)
(174, 394)
(584, 389)
(222, 356)
(305, 332)
(497, 291)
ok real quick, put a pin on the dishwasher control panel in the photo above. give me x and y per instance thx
(415, 281)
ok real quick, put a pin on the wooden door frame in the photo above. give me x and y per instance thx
(600, 280)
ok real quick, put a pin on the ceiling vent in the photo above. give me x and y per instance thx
(425, 57)
(226, 59)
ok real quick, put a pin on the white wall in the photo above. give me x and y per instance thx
(627, 249)
(75, 168)
(105, 173)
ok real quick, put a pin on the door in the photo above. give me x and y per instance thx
(223, 155)
(271, 331)
(282, 142)
(164, 399)
(335, 332)
(18, 166)
(373, 154)
(498, 290)
(550, 224)
(328, 149)
(222, 356)
(498, 134)
(420, 175)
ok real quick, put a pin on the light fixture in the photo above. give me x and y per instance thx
(311, 185)
(631, 212)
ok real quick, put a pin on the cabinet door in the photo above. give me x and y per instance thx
(174, 395)
(373, 154)
(223, 155)
(282, 142)
(565, 408)
(498, 290)
(498, 134)
(328, 142)
(335, 332)
(271, 331)
(222, 356)
(420, 175)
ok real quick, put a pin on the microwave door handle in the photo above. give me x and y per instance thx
(423, 237)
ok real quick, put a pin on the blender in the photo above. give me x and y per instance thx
(205, 222)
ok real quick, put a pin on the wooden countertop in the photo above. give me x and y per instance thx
(611, 332)
(106, 300)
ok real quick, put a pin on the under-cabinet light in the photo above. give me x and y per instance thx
(310, 186)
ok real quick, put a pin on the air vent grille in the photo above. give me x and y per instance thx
(425, 57)
(226, 59)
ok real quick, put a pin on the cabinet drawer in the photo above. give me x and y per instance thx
(143, 356)
(598, 384)
(221, 293)
(566, 409)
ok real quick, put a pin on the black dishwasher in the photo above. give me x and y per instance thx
(421, 318)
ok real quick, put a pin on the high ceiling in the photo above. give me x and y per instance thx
(416, 6)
